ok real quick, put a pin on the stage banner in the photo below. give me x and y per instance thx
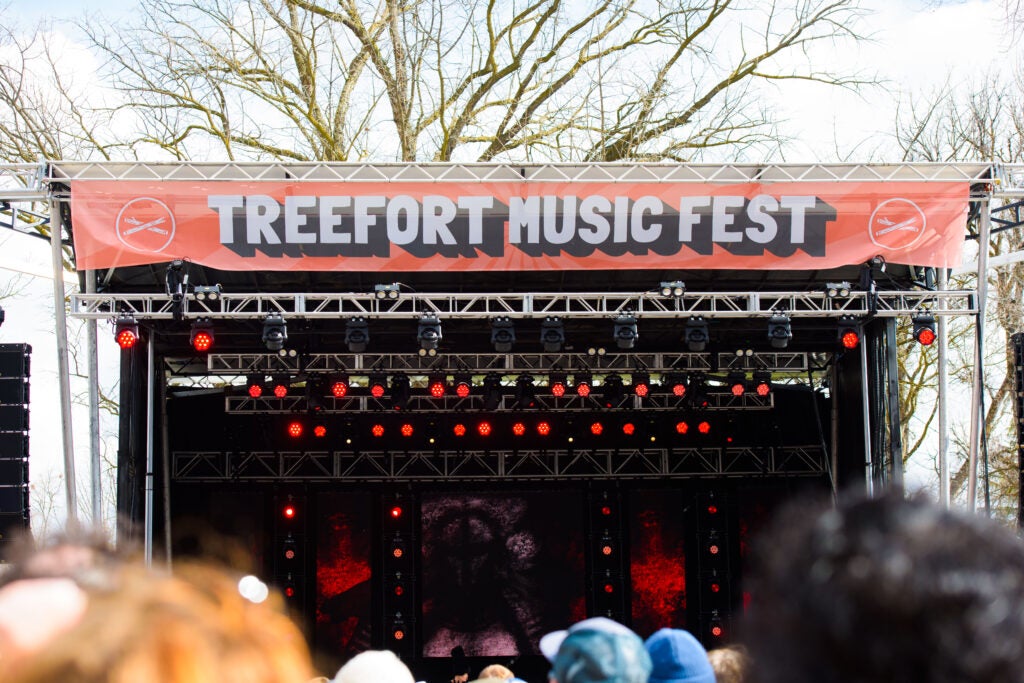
(516, 226)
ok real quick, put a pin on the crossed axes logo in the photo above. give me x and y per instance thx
(145, 224)
(896, 224)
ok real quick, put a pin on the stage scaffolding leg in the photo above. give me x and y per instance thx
(866, 411)
(148, 548)
(943, 391)
(979, 357)
(94, 411)
(63, 370)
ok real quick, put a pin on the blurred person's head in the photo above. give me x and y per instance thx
(596, 650)
(374, 666)
(886, 589)
(731, 663)
(496, 671)
(192, 627)
(678, 657)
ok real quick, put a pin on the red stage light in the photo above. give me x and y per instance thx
(642, 390)
(484, 428)
(518, 429)
(406, 429)
(543, 428)
(609, 588)
(462, 390)
(606, 510)
(679, 389)
(399, 590)
(763, 388)
(320, 431)
(377, 430)
(295, 429)
(288, 511)
(396, 512)
(737, 389)
(850, 339)
(583, 389)
(255, 390)
(377, 390)
(437, 387)
(459, 429)
(596, 429)
(704, 427)
(717, 631)
(682, 427)
(339, 388)
(289, 591)
(926, 336)
(715, 587)
(289, 553)
(714, 549)
(202, 340)
(399, 634)
(712, 509)
(606, 550)
(629, 429)
(397, 553)
(126, 338)
(280, 390)
(558, 390)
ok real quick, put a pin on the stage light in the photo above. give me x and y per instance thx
(552, 334)
(289, 510)
(280, 384)
(275, 332)
(629, 429)
(625, 334)
(612, 393)
(289, 548)
(519, 429)
(378, 385)
(924, 328)
(437, 385)
(596, 351)
(682, 427)
(207, 292)
(406, 430)
(388, 291)
(463, 384)
(254, 385)
(596, 429)
(175, 283)
(697, 334)
(429, 334)
(762, 382)
(556, 383)
(201, 336)
(584, 383)
(675, 288)
(400, 392)
(676, 383)
(320, 431)
(397, 547)
(544, 428)
(503, 334)
(126, 331)
(459, 430)
(780, 330)
(357, 335)
(835, 290)
(525, 392)
(641, 384)
(849, 332)
(377, 430)
(704, 427)
(716, 629)
(396, 512)
(338, 385)
(737, 383)
(493, 392)
(606, 545)
(483, 428)
(295, 429)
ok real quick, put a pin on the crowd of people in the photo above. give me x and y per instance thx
(878, 590)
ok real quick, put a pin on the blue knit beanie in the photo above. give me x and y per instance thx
(678, 657)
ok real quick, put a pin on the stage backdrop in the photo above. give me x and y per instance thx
(420, 226)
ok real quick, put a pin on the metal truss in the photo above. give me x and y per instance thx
(497, 465)
(568, 306)
(226, 364)
(362, 405)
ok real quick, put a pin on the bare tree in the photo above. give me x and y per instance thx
(464, 80)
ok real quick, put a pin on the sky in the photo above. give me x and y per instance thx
(916, 46)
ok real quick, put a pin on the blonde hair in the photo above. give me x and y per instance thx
(192, 627)
(374, 666)
(730, 663)
(496, 671)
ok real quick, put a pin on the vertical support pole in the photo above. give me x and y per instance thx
(63, 370)
(165, 450)
(869, 471)
(943, 390)
(148, 547)
(94, 409)
(834, 436)
(979, 355)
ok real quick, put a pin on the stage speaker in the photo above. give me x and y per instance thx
(289, 553)
(398, 565)
(606, 581)
(714, 562)
(14, 479)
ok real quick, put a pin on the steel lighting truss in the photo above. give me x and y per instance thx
(568, 306)
(497, 464)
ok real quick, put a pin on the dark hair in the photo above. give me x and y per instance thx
(887, 589)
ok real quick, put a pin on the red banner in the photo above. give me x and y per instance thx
(421, 226)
